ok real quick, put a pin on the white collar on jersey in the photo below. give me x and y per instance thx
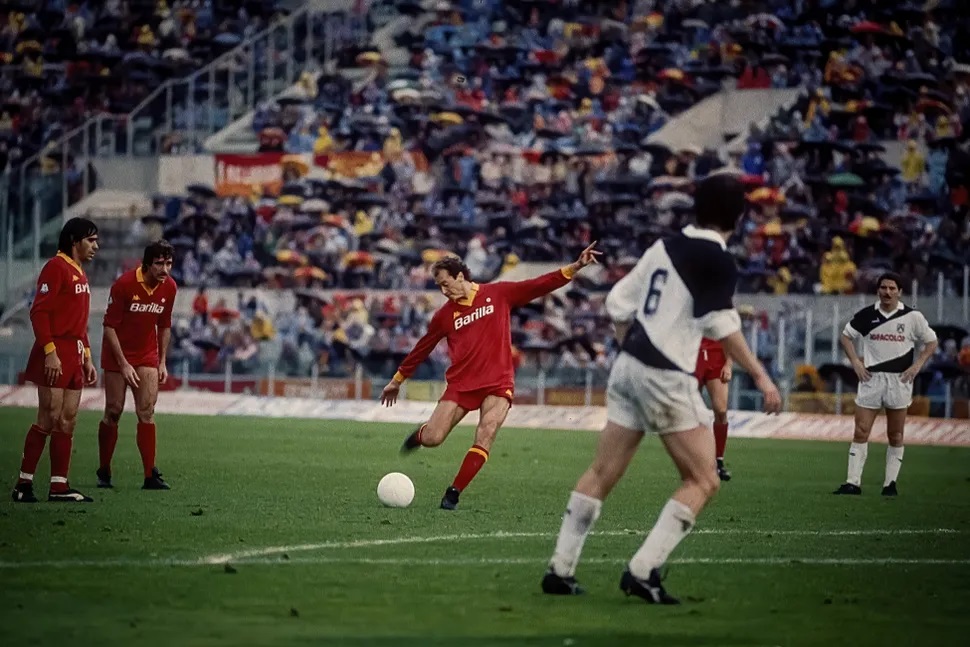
(899, 306)
(707, 234)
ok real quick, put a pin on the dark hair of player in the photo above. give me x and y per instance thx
(452, 265)
(719, 201)
(158, 250)
(74, 231)
(890, 276)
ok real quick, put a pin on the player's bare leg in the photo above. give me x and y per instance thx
(858, 450)
(693, 453)
(62, 444)
(493, 413)
(115, 390)
(895, 425)
(444, 418)
(616, 447)
(49, 403)
(718, 391)
(146, 395)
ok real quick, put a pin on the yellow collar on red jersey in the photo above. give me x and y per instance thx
(140, 276)
(470, 299)
(71, 261)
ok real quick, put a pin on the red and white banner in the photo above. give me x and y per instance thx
(243, 174)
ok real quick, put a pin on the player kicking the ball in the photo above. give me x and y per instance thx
(137, 329)
(714, 373)
(681, 290)
(60, 360)
(476, 323)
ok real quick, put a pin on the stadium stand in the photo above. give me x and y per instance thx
(516, 132)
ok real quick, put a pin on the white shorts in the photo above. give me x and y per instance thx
(884, 390)
(651, 399)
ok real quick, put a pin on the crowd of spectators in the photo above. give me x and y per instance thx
(522, 131)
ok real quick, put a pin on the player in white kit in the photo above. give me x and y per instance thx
(680, 290)
(886, 335)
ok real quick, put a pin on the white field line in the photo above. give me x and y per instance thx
(266, 555)
(485, 561)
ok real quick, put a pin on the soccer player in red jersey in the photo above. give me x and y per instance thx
(60, 360)
(714, 373)
(476, 323)
(137, 330)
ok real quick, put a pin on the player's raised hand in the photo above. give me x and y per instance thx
(130, 374)
(588, 256)
(52, 368)
(390, 393)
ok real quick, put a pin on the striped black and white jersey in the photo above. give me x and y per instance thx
(886, 342)
(682, 289)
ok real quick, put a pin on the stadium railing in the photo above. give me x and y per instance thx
(177, 117)
(559, 386)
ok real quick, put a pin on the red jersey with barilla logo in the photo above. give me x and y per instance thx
(478, 331)
(136, 313)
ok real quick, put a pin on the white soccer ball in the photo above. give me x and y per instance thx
(395, 490)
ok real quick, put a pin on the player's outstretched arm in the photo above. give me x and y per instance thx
(737, 349)
(418, 354)
(522, 292)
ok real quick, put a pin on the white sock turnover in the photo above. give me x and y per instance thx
(894, 461)
(581, 513)
(857, 461)
(674, 523)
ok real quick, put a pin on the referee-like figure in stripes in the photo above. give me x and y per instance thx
(881, 341)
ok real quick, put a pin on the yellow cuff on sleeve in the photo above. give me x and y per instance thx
(398, 377)
(568, 272)
(87, 353)
(49, 348)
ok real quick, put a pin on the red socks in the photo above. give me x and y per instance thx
(475, 459)
(61, 446)
(33, 449)
(107, 439)
(146, 445)
(720, 438)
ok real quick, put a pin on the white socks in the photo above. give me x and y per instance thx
(857, 461)
(894, 460)
(675, 522)
(581, 513)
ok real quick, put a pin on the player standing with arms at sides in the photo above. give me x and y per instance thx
(476, 321)
(714, 373)
(682, 289)
(60, 360)
(137, 330)
(887, 334)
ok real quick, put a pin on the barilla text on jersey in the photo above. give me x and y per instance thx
(152, 308)
(475, 315)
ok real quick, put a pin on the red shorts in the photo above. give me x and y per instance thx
(71, 354)
(109, 363)
(710, 363)
(472, 400)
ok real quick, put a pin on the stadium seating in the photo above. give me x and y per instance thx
(521, 131)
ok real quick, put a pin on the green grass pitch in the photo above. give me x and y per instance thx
(775, 560)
